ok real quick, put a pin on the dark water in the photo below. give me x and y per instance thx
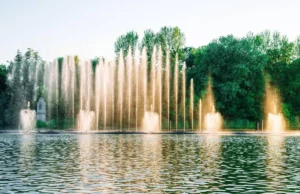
(149, 163)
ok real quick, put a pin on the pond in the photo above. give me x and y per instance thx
(86, 163)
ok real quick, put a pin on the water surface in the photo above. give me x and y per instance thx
(81, 163)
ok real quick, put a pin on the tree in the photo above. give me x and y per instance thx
(130, 39)
(171, 39)
(236, 68)
(3, 93)
(149, 41)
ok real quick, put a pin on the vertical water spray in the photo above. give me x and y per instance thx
(113, 69)
(176, 91)
(159, 77)
(183, 95)
(120, 86)
(85, 116)
(153, 72)
(68, 85)
(212, 119)
(275, 119)
(168, 86)
(145, 77)
(97, 92)
(136, 62)
(200, 115)
(192, 103)
(129, 82)
(105, 76)
(51, 85)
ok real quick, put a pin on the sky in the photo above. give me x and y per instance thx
(89, 28)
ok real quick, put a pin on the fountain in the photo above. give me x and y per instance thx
(27, 119)
(105, 95)
(275, 119)
(151, 121)
(85, 120)
(213, 120)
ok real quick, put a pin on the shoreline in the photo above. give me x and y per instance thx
(132, 132)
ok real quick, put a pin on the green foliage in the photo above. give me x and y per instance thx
(236, 67)
(41, 124)
(130, 39)
(148, 42)
(3, 94)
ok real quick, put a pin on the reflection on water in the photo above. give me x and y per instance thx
(275, 162)
(148, 163)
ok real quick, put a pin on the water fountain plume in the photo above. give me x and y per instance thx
(176, 72)
(118, 91)
(192, 104)
(129, 83)
(167, 82)
(212, 119)
(275, 119)
(137, 77)
(27, 119)
(120, 87)
(150, 122)
(183, 95)
(153, 75)
(85, 118)
(97, 91)
(145, 77)
(159, 84)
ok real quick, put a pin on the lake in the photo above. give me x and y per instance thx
(154, 163)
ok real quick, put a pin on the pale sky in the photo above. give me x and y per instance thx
(89, 28)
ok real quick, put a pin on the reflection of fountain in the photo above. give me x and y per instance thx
(151, 121)
(85, 120)
(275, 163)
(27, 119)
(213, 120)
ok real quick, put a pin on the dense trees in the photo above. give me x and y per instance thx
(3, 94)
(236, 68)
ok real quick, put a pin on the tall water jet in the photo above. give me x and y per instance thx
(176, 72)
(129, 82)
(120, 87)
(112, 76)
(150, 121)
(183, 95)
(137, 68)
(68, 77)
(200, 116)
(192, 104)
(27, 119)
(98, 90)
(159, 84)
(51, 86)
(153, 75)
(275, 119)
(212, 119)
(167, 82)
(85, 117)
(145, 77)
(105, 79)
